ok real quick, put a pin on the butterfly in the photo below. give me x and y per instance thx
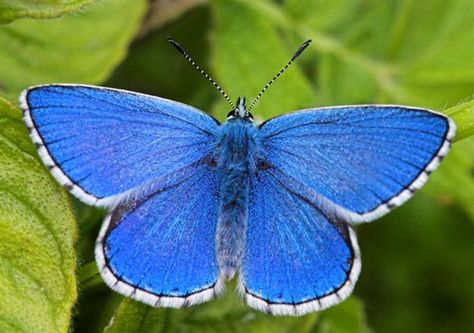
(193, 203)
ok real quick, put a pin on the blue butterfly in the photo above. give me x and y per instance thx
(192, 202)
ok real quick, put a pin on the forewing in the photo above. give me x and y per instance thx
(299, 257)
(159, 248)
(101, 142)
(365, 159)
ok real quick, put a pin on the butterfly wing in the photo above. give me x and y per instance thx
(299, 257)
(101, 142)
(365, 159)
(158, 247)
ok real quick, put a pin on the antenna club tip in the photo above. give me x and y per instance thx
(301, 49)
(171, 40)
(175, 44)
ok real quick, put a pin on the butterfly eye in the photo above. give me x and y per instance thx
(231, 114)
(263, 165)
(211, 161)
(249, 116)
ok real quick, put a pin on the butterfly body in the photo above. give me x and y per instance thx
(237, 148)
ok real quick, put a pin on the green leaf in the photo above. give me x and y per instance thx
(248, 52)
(463, 115)
(391, 51)
(454, 181)
(230, 314)
(80, 49)
(331, 15)
(227, 314)
(153, 61)
(347, 317)
(37, 237)
(14, 9)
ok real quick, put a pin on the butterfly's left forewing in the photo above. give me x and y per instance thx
(299, 257)
(102, 143)
(159, 248)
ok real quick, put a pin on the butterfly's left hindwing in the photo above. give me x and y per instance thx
(299, 257)
(159, 248)
(101, 143)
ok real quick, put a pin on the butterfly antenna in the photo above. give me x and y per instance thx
(191, 61)
(297, 53)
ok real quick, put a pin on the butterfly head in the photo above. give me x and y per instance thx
(240, 111)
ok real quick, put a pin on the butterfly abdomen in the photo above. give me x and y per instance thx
(237, 148)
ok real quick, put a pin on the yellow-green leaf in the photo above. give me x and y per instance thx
(83, 48)
(14, 9)
(463, 115)
(37, 237)
(454, 181)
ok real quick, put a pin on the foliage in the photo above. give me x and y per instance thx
(37, 237)
(230, 315)
(14, 9)
(83, 48)
(417, 273)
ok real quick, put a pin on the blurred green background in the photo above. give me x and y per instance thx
(418, 262)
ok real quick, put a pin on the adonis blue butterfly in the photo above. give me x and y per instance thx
(193, 203)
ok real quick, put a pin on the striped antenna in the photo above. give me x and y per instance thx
(191, 61)
(297, 53)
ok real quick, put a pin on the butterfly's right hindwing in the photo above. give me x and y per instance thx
(299, 257)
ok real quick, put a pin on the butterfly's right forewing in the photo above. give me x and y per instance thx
(365, 159)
